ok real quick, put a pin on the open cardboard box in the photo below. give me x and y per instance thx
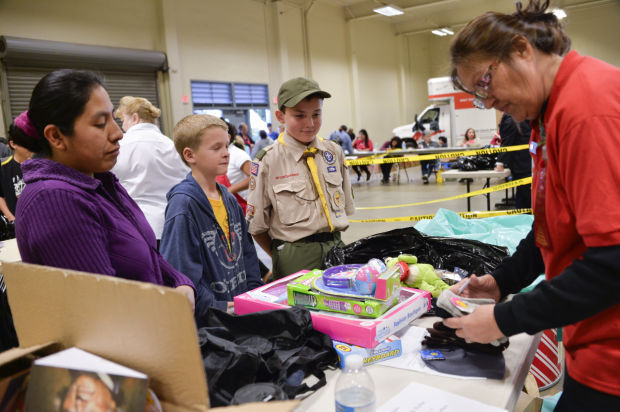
(145, 327)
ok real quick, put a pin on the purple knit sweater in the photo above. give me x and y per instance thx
(67, 219)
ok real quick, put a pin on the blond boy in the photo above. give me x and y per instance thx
(205, 234)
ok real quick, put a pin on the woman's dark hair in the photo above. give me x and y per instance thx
(59, 99)
(365, 133)
(494, 34)
(395, 139)
(263, 134)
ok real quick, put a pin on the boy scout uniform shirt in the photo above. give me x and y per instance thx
(283, 199)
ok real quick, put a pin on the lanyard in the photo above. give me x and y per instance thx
(541, 227)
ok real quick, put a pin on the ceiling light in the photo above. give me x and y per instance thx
(439, 33)
(447, 31)
(389, 10)
(559, 13)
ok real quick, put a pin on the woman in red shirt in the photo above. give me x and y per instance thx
(362, 143)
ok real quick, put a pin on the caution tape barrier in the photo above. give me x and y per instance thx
(503, 186)
(371, 160)
(466, 215)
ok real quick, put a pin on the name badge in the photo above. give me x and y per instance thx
(533, 147)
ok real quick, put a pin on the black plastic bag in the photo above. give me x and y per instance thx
(277, 346)
(441, 252)
(478, 162)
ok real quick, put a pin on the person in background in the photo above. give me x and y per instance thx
(519, 162)
(520, 63)
(263, 142)
(205, 234)
(341, 136)
(238, 172)
(362, 144)
(427, 166)
(247, 140)
(391, 145)
(443, 141)
(351, 134)
(73, 212)
(300, 195)
(470, 139)
(11, 179)
(5, 149)
(147, 165)
(273, 135)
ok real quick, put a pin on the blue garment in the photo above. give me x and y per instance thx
(343, 139)
(274, 135)
(194, 243)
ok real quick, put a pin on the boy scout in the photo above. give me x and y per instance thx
(300, 193)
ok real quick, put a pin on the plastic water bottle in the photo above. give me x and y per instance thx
(355, 390)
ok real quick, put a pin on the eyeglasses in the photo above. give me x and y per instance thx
(481, 89)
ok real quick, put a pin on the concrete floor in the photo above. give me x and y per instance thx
(408, 189)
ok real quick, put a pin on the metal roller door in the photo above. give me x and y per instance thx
(26, 61)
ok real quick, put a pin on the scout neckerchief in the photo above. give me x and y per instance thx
(541, 228)
(309, 154)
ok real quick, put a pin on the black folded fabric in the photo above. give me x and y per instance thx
(462, 358)
(442, 336)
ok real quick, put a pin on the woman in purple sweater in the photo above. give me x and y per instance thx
(73, 213)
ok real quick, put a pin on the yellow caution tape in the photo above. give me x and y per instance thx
(503, 186)
(473, 152)
(466, 215)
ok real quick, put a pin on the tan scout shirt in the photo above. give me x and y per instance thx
(282, 197)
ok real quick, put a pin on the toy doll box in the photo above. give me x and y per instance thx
(367, 333)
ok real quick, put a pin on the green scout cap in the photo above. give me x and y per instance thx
(295, 90)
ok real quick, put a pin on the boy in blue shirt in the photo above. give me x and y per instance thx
(205, 234)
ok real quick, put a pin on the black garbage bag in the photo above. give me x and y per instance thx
(441, 252)
(277, 346)
(473, 163)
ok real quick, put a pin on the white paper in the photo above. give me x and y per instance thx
(417, 397)
(410, 359)
(74, 358)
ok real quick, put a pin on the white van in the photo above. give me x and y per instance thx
(450, 115)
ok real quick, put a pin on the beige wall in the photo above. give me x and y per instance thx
(377, 79)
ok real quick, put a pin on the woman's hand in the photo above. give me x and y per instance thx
(479, 287)
(479, 327)
(188, 291)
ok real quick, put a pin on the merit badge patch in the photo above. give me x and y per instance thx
(331, 169)
(329, 157)
(338, 198)
(254, 168)
(249, 211)
(252, 183)
(338, 213)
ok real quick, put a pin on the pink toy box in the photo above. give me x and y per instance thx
(366, 333)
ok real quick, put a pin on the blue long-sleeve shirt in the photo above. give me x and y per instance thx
(195, 244)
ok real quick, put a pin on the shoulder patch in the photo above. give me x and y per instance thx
(262, 152)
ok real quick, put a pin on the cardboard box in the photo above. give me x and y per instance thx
(390, 348)
(367, 333)
(145, 327)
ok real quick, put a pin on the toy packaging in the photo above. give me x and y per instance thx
(364, 332)
(391, 347)
(362, 290)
